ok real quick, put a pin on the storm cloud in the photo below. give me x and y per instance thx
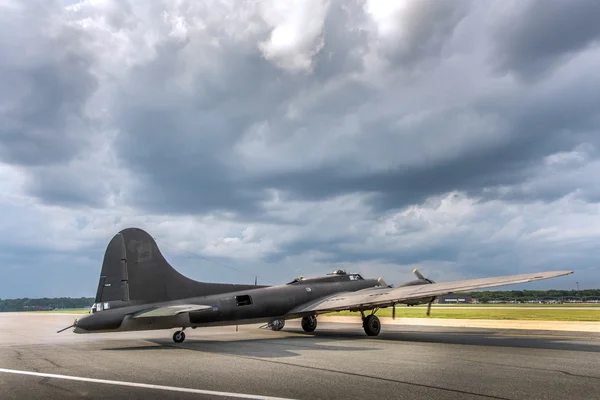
(293, 138)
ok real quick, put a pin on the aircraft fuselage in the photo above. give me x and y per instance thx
(263, 304)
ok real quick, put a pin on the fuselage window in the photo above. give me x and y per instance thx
(243, 300)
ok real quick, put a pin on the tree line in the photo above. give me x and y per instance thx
(533, 295)
(44, 304)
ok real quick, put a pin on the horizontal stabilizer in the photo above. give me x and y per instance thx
(170, 311)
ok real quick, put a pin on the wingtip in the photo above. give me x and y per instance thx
(555, 274)
(564, 272)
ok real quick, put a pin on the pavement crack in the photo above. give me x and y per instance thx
(577, 375)
(52, 362)
(379, 378)
(46, 382)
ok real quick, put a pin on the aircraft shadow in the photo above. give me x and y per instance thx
(275, 347)
(572, 341)
(291, 346)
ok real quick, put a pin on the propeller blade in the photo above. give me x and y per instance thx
(419, 274)
(429, 306)
(394, 311)
(382, 282)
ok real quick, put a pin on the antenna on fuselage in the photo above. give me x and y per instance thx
(255, 280)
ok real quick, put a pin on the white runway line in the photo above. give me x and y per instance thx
(143, 385)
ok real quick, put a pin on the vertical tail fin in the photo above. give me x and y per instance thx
(114, 280)
(134, 269)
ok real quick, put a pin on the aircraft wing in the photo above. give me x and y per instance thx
(169, 311)
(386, 296)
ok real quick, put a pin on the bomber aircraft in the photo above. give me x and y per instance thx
(140, 290)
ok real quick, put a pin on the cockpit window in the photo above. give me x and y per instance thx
(99, 307)
(356, 277)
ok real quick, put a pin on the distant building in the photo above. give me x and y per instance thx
(456, 298)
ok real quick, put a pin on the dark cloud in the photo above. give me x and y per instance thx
(204, 125)
(345, 41)
(70, 185)
(43, 90)
(471, 172)
(351, 250)
(55, 273)
(179, 140)
(541, 34)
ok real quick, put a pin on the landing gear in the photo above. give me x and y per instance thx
(277, 325)
(371, 325)
(309, 323)
(178, 337)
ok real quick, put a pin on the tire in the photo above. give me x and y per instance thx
(179, 337)
(309, 324)
(372, 325)
(277, 325)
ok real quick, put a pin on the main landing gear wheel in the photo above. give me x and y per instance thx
(309, 324)
(178, 337)
(371, 325)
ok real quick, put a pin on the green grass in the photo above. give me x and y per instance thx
(489, 313)
(543, 312)
(518, 305)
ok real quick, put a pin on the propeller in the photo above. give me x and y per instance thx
(429, 306)
(422, 277)
(394, 311)
(381, 282)
(68, 327)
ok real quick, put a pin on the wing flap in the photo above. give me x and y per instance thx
(170, 311)
(386, 296)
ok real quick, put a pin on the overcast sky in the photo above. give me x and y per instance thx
(285, 138)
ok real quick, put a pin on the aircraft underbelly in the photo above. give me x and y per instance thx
(144, 324)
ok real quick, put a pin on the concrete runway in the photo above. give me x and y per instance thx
(336, 362)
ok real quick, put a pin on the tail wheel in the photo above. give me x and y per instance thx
(178, 337)
(372, 325)
(309, 324)
(277, 325)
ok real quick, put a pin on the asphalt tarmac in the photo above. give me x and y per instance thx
(338, 361)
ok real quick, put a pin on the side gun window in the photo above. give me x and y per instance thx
(243, 300)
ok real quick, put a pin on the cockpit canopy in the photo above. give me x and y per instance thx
(337, 275)
(338, 272)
